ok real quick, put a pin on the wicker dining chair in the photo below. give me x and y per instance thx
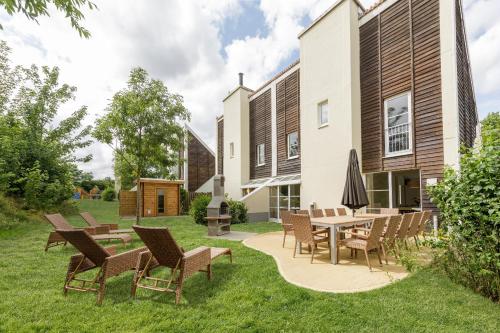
(304, 234)
(413, 229)
(389, 211)
(110, 228)
(163, 251)
(423, 223)
(286, 224)
(341, 211)
(389, 236)
(403, 229)
(303, 212)
(93, 256)
(329, 212)
(317, 213)
(98, 233)
(370, 241)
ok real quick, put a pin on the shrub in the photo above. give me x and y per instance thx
(198, 209)
(108, 194)
(238, 211)
(470, 210)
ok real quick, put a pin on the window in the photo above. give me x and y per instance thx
(377, 189)
(398, 131)
(261, 154)
(231, 150)
(283, 197)
(293, 145)
(160, 201)
(323, 114)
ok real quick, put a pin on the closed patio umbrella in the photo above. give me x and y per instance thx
(354, 190)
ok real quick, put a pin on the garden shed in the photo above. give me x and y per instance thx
(160, 197)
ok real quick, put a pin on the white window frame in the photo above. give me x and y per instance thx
(410, 127)
(288, 145)
(257, 151)
(231, 150)
(321, 105)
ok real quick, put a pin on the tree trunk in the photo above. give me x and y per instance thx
(138, 206)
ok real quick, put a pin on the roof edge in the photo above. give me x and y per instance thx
(235, 90)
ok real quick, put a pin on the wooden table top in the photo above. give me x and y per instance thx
(373, 215)
(339, 219)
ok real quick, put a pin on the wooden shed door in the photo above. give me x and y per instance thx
(167, 201)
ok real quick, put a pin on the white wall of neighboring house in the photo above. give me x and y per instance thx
(329, 62)
(236, 131)
(449, 84)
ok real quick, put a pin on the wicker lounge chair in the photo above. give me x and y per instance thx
(111, 228)
(92, 256)
(286, 224)
(366, 243)
(413, 229)
(341, 211)
(60, 223)
(329, 212)
(163, 251)
(304, 233)
(423, 222)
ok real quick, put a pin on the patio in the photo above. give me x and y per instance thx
(348, 276)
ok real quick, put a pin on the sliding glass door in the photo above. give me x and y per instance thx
(285, 197)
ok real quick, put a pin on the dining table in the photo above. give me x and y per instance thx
(334, 223)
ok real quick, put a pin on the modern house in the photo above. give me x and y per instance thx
(394, 82)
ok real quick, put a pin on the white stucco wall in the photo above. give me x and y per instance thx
(329, 58)
(236, 130)
(449, 87)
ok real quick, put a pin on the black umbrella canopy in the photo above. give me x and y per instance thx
(354, 190)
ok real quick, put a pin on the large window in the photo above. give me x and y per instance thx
(377, 188)
(398, 130)
(293, 145)
(283, 197)
(323, 114)
(261, 154)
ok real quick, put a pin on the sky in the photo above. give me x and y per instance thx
(198, 47)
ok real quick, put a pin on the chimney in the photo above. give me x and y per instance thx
(241, 78)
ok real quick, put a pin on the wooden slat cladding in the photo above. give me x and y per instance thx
(260, 133)
(400, 52)
(220, 147)
(287, 121)
(201, 164)
(466, 102)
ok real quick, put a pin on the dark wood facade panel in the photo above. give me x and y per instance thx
(260, 133)
(466, 101)
(200, 162)
(400, 52)
(287, 121)
(220, 147)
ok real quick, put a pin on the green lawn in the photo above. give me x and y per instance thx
(248, 295)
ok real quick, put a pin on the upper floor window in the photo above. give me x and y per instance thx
(231, 150)
(323, 114)
(261, 154)
(398, 127)
(293, 145)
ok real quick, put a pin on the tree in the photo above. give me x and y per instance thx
(142, 125)
(37, 160)
(33, 9)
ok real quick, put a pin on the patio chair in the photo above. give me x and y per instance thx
(413, 229)
(111, 228)
(423, 222)
(389, 236)
(97, 233)
(317, 213)
(341, 211)
(286, 224)
(389, 211)
(163, 251)
(329, 212)
(368, 242)
(403, 229)
(93, 256)
(304, 233)
(302, 212)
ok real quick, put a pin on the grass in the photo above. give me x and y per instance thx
(248, 295)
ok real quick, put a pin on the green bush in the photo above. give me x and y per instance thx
(198, 209)
(184, 201)
(238, 211)
(108, 194)
(470, 210)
